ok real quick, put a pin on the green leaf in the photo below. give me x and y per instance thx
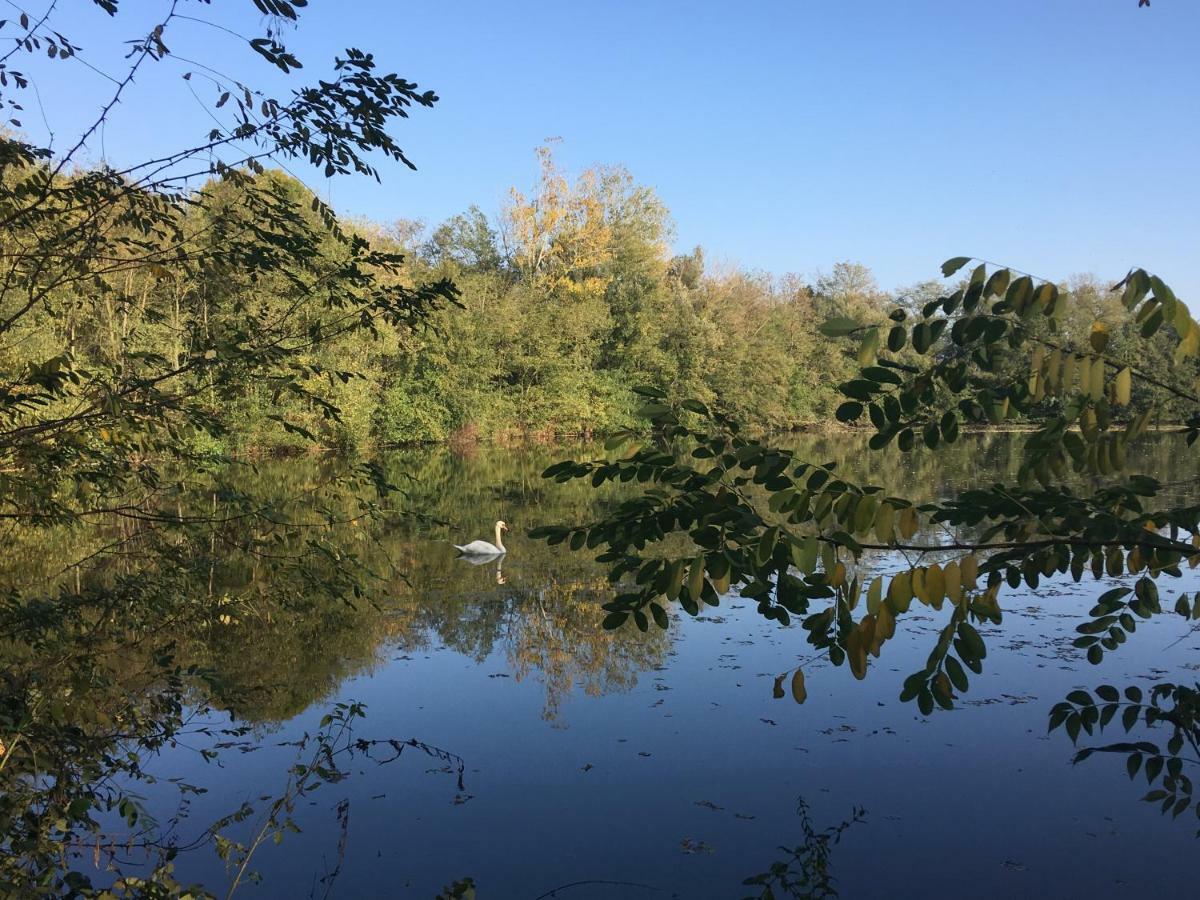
(880, 440)
(1019, 293)
(1133, 762)
(881, 375)
(616, 440)
(1072, 726)
(653, 410)
(930, 435)
(952, 265)
(949, 427)
(972, 640)
(614, 620)
(922, 337)
(925, 701)
(957, 676)
(838, 326)
(869, 347)
(859, 389)
(674, 578)
(696, 578)
(848, 411)
(766, 544)
(1153, 323)
(1153, 767)
(998, 283)
(804, 556)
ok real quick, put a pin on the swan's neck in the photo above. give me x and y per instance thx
(499, 542)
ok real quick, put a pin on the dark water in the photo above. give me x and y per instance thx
(661, 761)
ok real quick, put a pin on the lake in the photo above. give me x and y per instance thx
(551, 758)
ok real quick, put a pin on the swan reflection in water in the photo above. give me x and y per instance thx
(479, 559)
(479, 552)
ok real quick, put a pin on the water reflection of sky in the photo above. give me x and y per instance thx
(684, 776)
(664, 761)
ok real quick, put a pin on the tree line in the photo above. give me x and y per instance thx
(564, 302)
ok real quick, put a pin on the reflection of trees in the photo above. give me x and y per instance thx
(243, 605)
(116, 635)
(805, 872)
(976, 459)
(555, 634)
(544, 618)
(277, 646)
(267, 613)
(99, 646)
(1166, 710)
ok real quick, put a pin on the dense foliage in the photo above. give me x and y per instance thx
(136, 306)
(720, 511)
(564, 303)
(573, 298)
(156, 318)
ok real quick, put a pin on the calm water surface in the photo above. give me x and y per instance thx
(661, 761)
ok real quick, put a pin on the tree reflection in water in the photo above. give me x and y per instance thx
(105, 667)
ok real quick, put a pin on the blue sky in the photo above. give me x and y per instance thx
(1057, 136)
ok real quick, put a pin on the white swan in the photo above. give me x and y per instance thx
(483, 548)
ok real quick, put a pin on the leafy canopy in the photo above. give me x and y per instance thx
(721, 510)
(137, 303)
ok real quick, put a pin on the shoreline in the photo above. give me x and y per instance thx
(547, 438)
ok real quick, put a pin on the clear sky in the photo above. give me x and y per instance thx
(1057, 136)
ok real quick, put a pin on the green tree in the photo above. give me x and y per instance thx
(468, 241)
(143, 321)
